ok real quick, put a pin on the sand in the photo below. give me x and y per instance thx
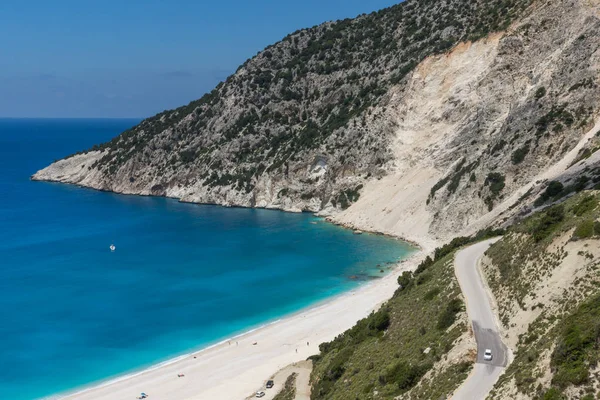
(230, 371)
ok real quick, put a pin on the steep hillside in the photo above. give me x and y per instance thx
(415, 120)
(416, 346)
(545, 276)
(479, 130)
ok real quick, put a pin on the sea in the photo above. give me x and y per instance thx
(73, 313)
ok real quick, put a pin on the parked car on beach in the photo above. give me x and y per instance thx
(270, 384)
(260, 394)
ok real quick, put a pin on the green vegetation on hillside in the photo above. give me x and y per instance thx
(312, 92)
(386, 352)
(289, 389)
(564, 329)
(394, 350)
(577, 349)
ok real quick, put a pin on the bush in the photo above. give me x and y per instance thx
(553, 190)
(450, 247)
(547, 222)
(432, 294)
(405, 375)
(405, 280)
(448, 317)
(519, 155)
(380, 321)
(422, 278)
(586, 204)
(496, 183)
(371, 326)
(337, 366)
(584, 230)
(553, 394)
(541, 92)
(576, 352)
(426, 263)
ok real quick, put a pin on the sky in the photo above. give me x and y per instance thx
(133, 58)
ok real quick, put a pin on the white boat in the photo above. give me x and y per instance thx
(112, 247)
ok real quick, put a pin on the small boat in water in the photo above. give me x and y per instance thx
(112, 247)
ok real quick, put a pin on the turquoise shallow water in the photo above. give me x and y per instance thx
(182, 276)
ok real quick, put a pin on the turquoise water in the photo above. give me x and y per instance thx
(182, 276)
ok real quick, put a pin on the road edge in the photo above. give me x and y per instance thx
(494, 307)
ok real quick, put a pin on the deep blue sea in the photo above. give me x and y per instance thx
(183, 276)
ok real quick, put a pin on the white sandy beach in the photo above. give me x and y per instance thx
(230, 371)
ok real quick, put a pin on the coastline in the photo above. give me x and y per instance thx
(209, 367)
(326, 216)
(227, 370)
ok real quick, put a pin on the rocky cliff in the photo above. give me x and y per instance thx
(422, 120)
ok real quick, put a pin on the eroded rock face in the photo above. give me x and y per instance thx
(487, 123)
(393, 122)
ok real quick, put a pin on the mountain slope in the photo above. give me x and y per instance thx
(545, 276)
(395, 117)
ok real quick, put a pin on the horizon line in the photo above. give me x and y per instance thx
(141, 118)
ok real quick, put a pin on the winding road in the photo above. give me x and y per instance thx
(479, 308)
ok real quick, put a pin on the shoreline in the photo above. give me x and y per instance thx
(325, 216)
(336, 313)
(226, 370)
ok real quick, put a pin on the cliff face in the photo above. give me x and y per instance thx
(414, 120)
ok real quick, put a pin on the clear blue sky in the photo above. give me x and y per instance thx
(133, 58)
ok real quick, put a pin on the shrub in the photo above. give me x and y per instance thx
(371, 326)
(380, 321)
(547, 222)
(588, 203)
(448, 316)
(553, 394)
(422, 278)
(405, 280)
(450, 247)
(584, 230)
(581, 183)
(426, 263)
(432, 294)
(576, 351)
(541, 92)
(519, 155)
(495, 181)
(553, 190)
(337, 366)
(406, 375)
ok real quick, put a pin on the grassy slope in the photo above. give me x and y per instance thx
(289, 389)
(559, 348)
(383, 355)
(363, 361)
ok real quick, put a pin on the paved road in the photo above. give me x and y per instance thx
(485, 373)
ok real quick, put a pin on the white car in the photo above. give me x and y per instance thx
(487, 355)
(260, 394)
